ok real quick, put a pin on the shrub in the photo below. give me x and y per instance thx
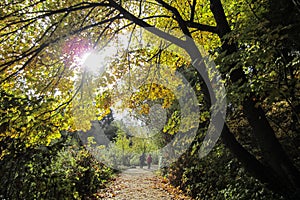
(65, 172)
(216, 176)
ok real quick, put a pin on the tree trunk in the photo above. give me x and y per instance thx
(250, 163)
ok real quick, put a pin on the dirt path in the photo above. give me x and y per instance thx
(141, 184)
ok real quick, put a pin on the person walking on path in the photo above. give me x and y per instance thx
(142, 160)
(149, 161)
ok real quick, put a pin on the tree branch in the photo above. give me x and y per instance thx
(193, 10)
(152, 29)
(35, 52)
(178, 17)
(202, 27)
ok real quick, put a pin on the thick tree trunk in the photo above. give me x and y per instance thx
(287, 174)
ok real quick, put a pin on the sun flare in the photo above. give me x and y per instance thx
(93, 62)
(97, 61)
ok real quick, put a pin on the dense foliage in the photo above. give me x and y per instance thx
(53, 81)
(217, 176)
(62, 170)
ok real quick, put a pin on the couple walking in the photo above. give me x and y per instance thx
(143, 158)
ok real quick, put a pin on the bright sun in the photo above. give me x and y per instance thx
(96, 61)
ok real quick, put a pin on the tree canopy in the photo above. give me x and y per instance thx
(67, 63)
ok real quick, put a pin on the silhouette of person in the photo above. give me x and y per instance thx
(142, 160)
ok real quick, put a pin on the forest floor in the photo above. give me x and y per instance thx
(141, 184)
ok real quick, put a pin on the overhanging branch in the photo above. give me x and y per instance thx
(178, 17)
(202, 27)
(142, 23)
